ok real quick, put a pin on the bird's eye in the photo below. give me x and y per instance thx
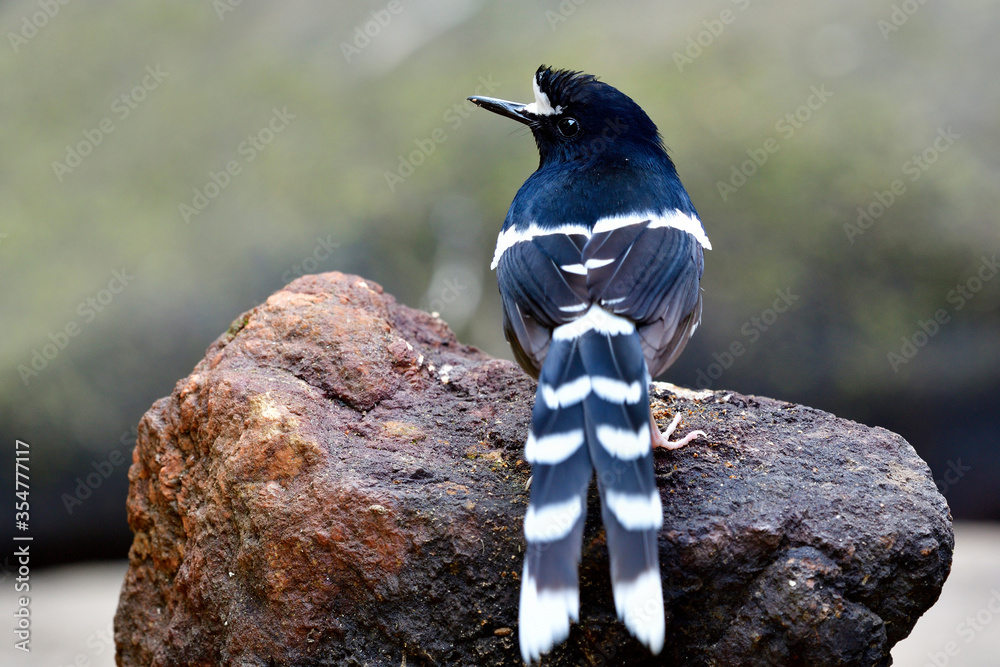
(568, 127)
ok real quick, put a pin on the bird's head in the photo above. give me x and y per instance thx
(575, 116)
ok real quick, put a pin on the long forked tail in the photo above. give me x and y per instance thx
(591, 413)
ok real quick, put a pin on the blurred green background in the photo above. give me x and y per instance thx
(167, 166)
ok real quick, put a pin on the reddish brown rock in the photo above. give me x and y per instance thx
(340, 482)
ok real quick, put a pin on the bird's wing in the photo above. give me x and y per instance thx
(540, 288)
(644, 268)
(648, 273)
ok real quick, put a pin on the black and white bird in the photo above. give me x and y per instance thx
(598, 263)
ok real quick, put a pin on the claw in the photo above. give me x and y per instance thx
(662, 440)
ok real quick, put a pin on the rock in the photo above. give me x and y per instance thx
(340, 482)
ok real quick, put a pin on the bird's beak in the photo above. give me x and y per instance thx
(518, 112)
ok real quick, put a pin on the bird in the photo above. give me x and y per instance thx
(599, 264)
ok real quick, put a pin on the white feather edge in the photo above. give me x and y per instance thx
(552, 522)
(566, 394)
(511, 236)
(542, 106)
(553, 448)
(616, 391)
(595, 319)
(607, 389)
(675, 219)
(634, 511)
(624, 444)
(543, 617)
(639, 604)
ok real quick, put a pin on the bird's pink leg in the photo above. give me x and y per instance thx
(662, 440)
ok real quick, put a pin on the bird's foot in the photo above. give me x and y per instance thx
(662, 440)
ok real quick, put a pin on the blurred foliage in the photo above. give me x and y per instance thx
(361, 106)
